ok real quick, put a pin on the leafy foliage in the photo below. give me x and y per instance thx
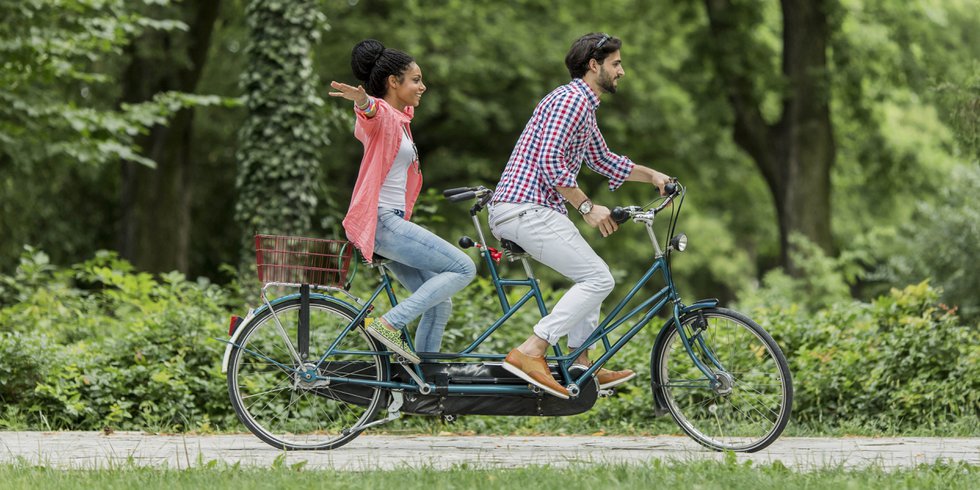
(51, 61)
(61, 126)
(942, 241)
(902, 361)
(101, 345)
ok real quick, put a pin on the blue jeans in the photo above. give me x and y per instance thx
(430, 267)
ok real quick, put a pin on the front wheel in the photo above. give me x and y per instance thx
(747, 403)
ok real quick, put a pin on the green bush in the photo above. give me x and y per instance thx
(905, 361)
(902, 362)
(941, 241)
(99, 345)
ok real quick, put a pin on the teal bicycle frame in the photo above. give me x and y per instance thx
(647, 309)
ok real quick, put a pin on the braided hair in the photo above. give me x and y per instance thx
(372, 64)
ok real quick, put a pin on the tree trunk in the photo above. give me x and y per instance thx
(281, 142)
(796, 154)
(156, 221)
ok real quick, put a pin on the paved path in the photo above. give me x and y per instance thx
(95, 450)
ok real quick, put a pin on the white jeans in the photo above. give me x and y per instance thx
(552, 239)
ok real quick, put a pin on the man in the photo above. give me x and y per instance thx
(528, 206)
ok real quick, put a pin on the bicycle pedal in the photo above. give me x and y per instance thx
(607, 393)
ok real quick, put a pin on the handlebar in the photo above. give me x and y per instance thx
(621, 214)
(462, 195)
(457, 190)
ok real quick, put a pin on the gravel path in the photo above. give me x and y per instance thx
(95, 450)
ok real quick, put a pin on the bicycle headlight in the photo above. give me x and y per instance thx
(679, 242)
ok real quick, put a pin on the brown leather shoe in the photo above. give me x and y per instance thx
(534, 370)
(608, 379)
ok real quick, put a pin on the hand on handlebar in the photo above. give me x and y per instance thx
(600, 217)
(660, 179)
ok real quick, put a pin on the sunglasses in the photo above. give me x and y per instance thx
(605, 37)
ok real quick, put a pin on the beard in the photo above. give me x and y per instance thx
(606, 82)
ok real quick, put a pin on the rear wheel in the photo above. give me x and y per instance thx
(747, 404)
(281, 400)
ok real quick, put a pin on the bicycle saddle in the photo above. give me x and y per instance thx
(512, 247)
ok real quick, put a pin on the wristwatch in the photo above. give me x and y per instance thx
(585, 208)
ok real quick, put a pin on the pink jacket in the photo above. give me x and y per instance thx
(381, 136)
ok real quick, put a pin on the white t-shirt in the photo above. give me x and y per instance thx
(393, 188)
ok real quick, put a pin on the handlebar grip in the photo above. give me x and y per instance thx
(620, 215)
(462, 196)
(455, 190)
(670, 188)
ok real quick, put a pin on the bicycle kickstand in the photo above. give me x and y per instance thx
(397, 399)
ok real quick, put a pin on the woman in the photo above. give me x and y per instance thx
(388, 184)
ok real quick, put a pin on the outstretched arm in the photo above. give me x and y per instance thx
(361, 100)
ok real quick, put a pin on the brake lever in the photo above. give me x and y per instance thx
(670, 198)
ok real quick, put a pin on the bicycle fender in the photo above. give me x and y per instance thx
(700, 305)
(233, 341)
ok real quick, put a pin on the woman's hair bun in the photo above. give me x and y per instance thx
(364, 57)
(372, 63)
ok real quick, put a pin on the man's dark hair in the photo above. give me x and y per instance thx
(372, 63)
(594, 45)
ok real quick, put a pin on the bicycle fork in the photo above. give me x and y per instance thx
(696, 338)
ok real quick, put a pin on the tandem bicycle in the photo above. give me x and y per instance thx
(303, 374)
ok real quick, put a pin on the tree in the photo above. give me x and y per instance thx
(57, 131)
(50, 62)
(282, 138)
(794, 153)
(155, 202)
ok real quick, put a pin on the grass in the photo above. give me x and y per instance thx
(657, 474)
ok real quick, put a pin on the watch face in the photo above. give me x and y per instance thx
(586, 207)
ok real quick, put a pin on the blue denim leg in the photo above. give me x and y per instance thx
(428, 335)
(416, 248)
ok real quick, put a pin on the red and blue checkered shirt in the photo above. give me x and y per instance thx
(561, 134)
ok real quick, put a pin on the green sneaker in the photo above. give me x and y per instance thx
(390, 338)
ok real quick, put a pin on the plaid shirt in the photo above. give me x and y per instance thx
(561, 134)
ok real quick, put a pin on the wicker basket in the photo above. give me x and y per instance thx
(299, 260)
